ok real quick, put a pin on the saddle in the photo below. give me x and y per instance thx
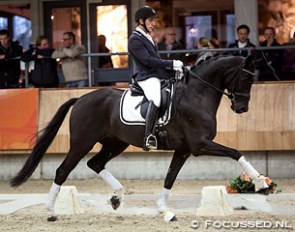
(166, 86)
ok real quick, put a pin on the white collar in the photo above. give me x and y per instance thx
(147, 35)
(242, 45)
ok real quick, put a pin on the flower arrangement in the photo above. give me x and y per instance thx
(243, 184)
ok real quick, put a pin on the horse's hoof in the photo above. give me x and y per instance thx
(115, 202)
(174, 219)
(52, 218)
(265, 191)
(169, 217)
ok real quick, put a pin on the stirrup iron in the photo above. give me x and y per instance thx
(150, 143)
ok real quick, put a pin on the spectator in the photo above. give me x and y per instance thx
(171, 44)
(289, 60)
(243, 41)
(270, 69)
(73, 66)
(103, 61)
(204, 45)
(44, 74)
(9, 63)
(215, 42)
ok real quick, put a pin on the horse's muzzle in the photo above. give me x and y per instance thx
(239, 108)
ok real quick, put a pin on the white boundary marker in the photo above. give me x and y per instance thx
(213, 202)
(67, 202)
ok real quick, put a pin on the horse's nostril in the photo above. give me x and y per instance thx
(242, 110)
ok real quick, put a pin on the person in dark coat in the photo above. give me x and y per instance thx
(44, 74)
(243, 41)
(171, 44)
(10, 51)
(151, 68)
(271, 65)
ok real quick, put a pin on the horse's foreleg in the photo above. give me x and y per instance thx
(215, 149)
(258, 179)
(176, 164)
(97, 163)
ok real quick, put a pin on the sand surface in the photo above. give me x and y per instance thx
(34, 218)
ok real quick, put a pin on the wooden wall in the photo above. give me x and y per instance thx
(268, 125)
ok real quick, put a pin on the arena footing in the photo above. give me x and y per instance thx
(145, 204)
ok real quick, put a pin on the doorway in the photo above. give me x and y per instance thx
(110, 19)
(62, 16)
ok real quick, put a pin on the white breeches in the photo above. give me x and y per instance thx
(152, 89)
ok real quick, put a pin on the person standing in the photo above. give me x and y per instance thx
(151, 68)
(104, 61)
(171, 44)
(9, 63)
(272, 65)
(73, 66)
(44, 74)
(243, 41)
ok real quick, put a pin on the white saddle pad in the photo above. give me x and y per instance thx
(130, 110)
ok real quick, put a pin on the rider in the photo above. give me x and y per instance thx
(151, 68)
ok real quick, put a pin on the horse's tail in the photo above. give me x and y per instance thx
(42, 144)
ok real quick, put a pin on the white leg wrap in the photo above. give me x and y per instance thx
(252, 172)
(257, 179)
(54, 190)
(111, 180)
(260, 183)
(162, 202)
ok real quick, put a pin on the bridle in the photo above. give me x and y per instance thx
(231, 94)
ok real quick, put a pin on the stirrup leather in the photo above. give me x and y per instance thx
(151, 142)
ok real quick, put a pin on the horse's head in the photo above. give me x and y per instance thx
(239, 85)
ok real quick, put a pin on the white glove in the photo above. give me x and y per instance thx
(177, 65)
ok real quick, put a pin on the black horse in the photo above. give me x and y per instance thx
(95, 118)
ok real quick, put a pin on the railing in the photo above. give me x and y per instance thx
(186, 51)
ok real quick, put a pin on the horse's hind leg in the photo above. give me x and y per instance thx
(110, 149)
(176, 164)
(73, 157)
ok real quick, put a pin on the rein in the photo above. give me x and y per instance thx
(231, 95)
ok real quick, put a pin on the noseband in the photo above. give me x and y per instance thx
(231, 94)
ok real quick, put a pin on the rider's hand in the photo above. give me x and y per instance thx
(178, 65)
(178, 68)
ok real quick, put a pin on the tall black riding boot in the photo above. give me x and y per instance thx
(150, 140)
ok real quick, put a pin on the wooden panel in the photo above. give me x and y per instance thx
(268, 125)
(50, 101)
(18, 118)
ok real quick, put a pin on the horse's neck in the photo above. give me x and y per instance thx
(201, 95)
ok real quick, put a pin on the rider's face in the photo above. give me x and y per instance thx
(150, 24)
